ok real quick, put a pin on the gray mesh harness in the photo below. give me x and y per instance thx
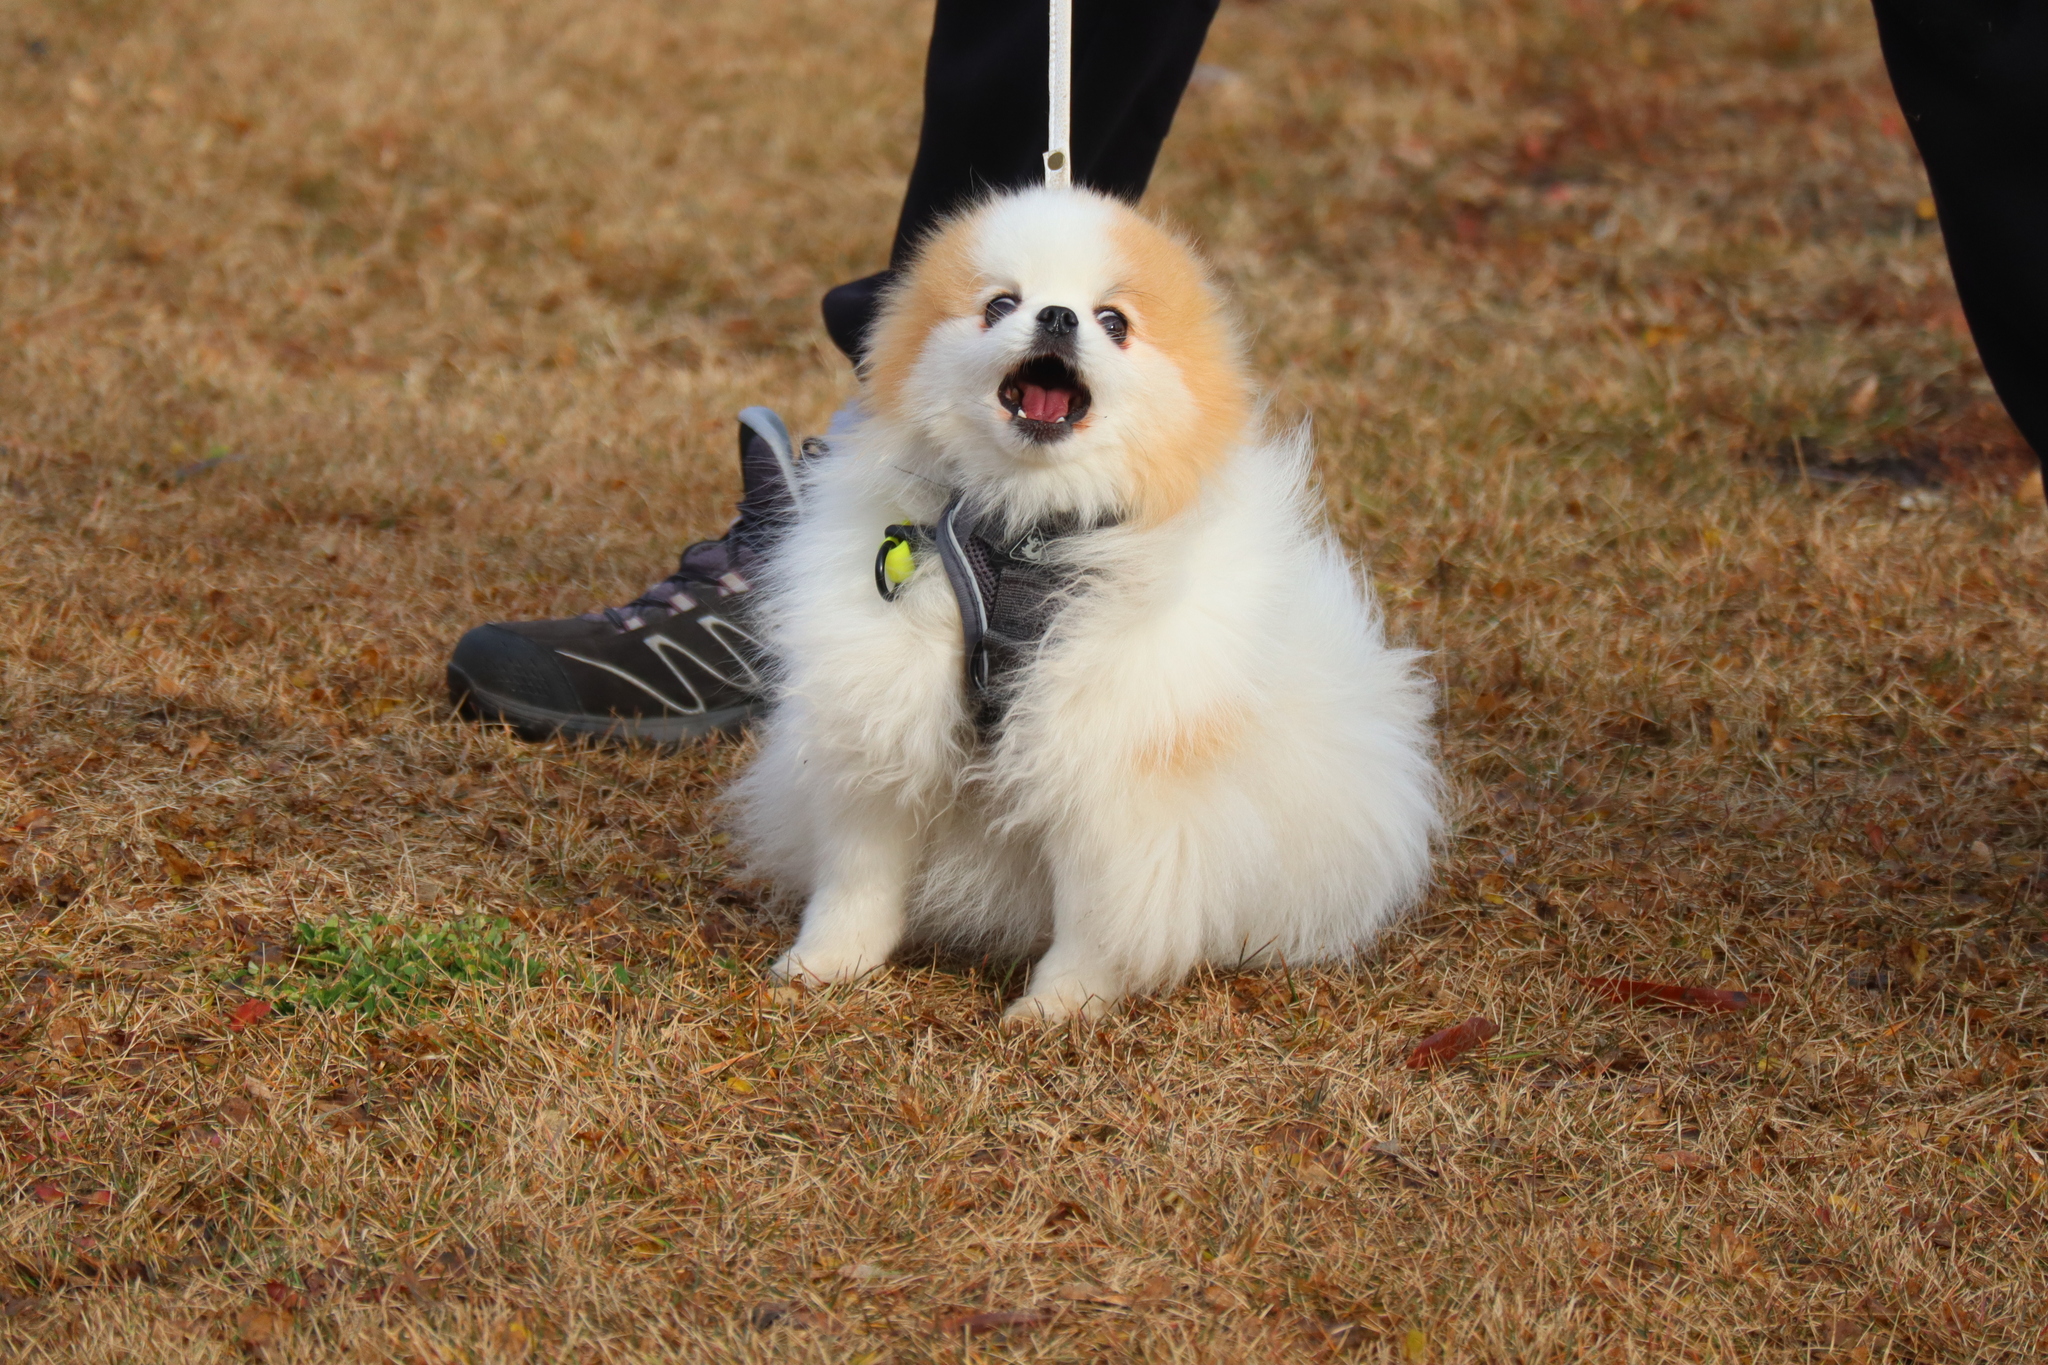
(1008, 590)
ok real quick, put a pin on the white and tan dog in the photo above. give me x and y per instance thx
(1203, 751)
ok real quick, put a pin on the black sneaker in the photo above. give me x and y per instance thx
(675, 663)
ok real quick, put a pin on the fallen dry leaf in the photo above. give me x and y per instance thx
(1063, 1212)
(344, 1119)
(1938, 1227)
(1152, 1289)
(181, 869)
(260, 1324)
(38, 821)
(247, 1013)
(46, 1193)
(98, 1199)
(1445, 1045)
(414, 1286)
(999, 1320)
(68, 1035)
(1737, 1252)
(1913, 955)
(1666, 995)
(1678, 1159)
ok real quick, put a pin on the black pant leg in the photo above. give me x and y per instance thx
(1972, 79)
(985, 112)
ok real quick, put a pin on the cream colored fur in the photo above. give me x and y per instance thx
(1215, 756)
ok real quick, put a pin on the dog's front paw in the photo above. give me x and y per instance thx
(824, 967)
(1053, 1007)
(1074, 980)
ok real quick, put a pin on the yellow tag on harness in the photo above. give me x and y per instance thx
(897, 562)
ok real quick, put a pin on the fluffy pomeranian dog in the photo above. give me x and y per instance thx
(1068, 663)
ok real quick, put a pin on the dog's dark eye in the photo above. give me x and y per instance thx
(1116, 324)
(999, 307)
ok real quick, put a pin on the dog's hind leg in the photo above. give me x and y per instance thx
(855, 917)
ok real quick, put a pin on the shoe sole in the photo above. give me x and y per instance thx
(539, 724)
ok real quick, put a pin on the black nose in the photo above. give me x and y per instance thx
(1057, 321)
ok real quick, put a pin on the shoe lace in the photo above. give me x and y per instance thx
(709, 572)
(715, 569)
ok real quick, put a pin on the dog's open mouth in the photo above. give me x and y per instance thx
(1044, 398)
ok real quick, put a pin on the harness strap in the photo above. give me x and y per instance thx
(1008, 591)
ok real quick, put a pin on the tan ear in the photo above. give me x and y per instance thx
(1174, 307)
(939, 284)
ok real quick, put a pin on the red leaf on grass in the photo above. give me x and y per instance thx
(1446, 1044)
(46, 1193)
(974, 1324)
(1666, 995)
(247, 1013)
(98, 1199)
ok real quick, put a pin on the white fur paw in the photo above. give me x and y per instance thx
(1055, 1007)
(824, 967)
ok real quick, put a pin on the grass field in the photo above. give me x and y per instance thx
(335, 1030)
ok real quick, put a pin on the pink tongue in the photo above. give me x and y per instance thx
(1046, 405)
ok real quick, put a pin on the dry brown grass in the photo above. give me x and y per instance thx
(464, 297)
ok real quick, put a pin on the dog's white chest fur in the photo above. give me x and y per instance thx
(1211, 756)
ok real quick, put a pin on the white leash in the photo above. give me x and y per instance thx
(1059, 80)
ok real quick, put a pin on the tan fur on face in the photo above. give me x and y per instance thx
(941, 284)
(1167, 297)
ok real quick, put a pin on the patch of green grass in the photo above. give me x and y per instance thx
(376, 965)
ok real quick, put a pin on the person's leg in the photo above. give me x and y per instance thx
(985, 112)
(1972, 79)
